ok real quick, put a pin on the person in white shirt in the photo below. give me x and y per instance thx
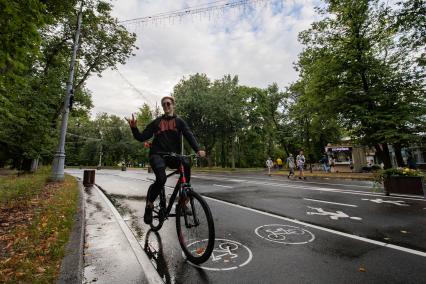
(291, 165)
(269, 164)
(300, 161)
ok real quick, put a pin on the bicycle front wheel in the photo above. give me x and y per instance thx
(158, 213)
(195, 228)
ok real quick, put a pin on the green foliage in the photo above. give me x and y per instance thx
(401, 172)
(108, 136)
(411, 24)
(35, 49)
(381, 175)
(237, 125)
(353, 73)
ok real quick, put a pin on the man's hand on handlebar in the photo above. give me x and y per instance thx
(201, 153)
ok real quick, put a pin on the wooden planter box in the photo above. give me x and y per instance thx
(406, 185)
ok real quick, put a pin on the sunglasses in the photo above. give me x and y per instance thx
(166, 104)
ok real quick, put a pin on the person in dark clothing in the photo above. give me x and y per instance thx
(167, 131)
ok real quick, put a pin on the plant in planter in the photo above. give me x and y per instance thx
(401, 180)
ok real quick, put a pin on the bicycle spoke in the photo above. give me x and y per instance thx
(195, 229)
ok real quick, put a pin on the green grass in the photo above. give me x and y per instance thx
(14, 188)
(36, 244)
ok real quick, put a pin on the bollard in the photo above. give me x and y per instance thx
(149, 169)
(89, 177)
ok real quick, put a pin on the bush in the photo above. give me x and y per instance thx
(405, 172)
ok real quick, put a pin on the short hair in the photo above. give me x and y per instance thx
(168, 97)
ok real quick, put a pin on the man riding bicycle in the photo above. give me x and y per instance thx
(167, 131)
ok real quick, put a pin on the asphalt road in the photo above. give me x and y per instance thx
(270, 229)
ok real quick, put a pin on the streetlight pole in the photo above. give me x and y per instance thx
(100, 153)
(59, 159)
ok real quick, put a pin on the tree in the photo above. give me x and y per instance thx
(194, 102)
(348, 66)
(34, 64)
(411, 24)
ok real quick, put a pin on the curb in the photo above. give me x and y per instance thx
(72, 263)
(150, 273)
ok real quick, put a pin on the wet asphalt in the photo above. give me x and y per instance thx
(275, 230)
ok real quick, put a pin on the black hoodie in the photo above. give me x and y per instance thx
(167, 131)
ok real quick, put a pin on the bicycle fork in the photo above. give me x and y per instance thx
(188, 203)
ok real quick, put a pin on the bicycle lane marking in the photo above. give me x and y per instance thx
(227, 255)
(378, 243)
(284, 234)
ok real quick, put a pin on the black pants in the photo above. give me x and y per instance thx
(158, 165)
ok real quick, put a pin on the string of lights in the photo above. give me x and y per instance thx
(147, 100)
(204, 9)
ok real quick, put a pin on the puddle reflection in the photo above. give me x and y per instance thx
(154, 250)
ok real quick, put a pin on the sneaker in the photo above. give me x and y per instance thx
(300, 178)
(147, 217)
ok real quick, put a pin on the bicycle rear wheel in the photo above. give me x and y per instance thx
(195, 228)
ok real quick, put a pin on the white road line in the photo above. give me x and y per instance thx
(338, 190)
(222, 185)
(403, 249)
(315, 182)
(343, 204)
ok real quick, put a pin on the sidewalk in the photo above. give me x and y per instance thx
(110, 252)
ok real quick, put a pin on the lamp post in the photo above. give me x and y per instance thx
(59, 159)
(100, 154)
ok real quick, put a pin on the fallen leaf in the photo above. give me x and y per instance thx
(41, 269)
(404, 232)
(361, 269)
(6, 261)
(200, 251)
(9, 245)
(19, 274)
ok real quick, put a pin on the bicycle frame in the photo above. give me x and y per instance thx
(176, 191)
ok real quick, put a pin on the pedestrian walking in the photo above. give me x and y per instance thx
(324, 162)
(300, 161)
(290, 163)
(269, 164)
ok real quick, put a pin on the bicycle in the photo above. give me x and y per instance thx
(194, 223)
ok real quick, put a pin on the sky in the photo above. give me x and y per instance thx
(258, 43)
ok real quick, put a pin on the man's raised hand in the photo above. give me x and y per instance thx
(132, 122)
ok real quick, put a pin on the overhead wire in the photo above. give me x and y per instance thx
(193, 10)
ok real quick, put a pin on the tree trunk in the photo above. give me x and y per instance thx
(397, 148)
(233, 154)
(222, 154)
(209, 156)
(383, 152)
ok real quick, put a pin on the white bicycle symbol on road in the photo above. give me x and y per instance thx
(281, 233)
(284, 234)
